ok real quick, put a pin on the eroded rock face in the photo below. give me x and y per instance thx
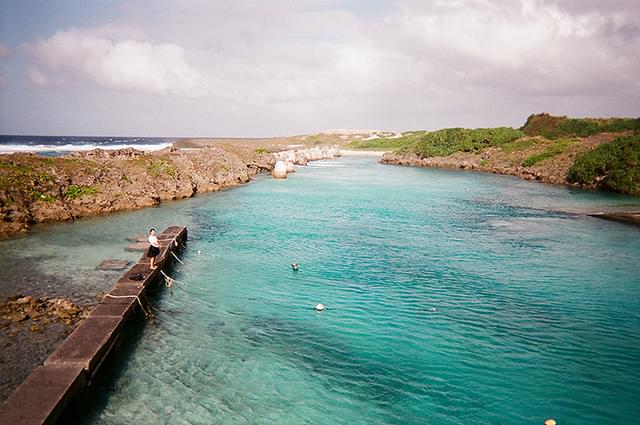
(35, 189)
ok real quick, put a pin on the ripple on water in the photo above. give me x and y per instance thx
(445, 306)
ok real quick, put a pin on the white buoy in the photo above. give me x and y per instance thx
(320, 307)
(550, 422)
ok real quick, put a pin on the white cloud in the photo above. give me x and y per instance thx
(126, 65)
(287, 66)
(525, 47)
(36, 77)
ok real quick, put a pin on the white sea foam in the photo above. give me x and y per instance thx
(15, 148)
(325, 164)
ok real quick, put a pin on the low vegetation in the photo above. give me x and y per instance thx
(555, 149)
(442, 142)
(380, 144)
(450, 140)
(613, 166)
(518, 145)
(76, 191)
(160, 167)
(553, 127)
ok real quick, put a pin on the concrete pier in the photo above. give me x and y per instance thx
(49, 389)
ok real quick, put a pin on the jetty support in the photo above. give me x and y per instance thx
(52, 387)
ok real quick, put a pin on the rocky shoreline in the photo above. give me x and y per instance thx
(462, 162)
(493, 160)
(30, 329)
(499, 161)
(35, 189)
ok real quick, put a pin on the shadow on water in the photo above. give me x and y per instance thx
(329, 360)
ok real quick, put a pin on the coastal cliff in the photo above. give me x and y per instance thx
(36, 189)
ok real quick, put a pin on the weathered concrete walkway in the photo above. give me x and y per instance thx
(50, 388)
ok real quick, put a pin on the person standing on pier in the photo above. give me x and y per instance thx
(154, 248)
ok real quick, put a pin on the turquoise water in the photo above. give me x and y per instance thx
(453, 298)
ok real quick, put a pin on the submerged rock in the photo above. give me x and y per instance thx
(113, 265)
(137, 247)
(39, 312)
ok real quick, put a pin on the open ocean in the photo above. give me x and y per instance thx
(57, 145)
(453, 298)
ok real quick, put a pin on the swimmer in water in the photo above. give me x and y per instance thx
(295, 267)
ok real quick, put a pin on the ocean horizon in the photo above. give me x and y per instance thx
(58, 145)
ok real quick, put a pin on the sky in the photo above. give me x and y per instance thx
(257, 68)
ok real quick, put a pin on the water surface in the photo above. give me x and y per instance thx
(453, 297)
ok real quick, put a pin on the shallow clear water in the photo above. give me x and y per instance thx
(453, 297)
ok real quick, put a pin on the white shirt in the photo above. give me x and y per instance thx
(153, 240)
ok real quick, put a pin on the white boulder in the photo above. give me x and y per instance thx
(280, 170)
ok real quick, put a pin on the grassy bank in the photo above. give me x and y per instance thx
(380, 144)
(442, 142)
(579, 151)
(612, 166)
(552, 127)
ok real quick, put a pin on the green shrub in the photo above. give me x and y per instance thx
(36, 195)
(556, 127)
(555, 149)
(450, 140)
(518, 145)
(260, 151)
(75, 191)
(159, 167)
(380, 144)
(614, 166)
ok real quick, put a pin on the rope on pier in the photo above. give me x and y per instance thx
(146, 313)
(169, 281)
(176, 257)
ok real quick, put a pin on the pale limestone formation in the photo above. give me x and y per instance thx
(303, 156)
(280, 170)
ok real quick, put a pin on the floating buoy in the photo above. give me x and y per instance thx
(550, 422)
(319, 307)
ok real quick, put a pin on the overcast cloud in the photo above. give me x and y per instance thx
(256, 68)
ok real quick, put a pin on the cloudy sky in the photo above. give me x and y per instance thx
(266, 68)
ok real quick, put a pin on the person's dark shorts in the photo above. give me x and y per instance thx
(153, 251)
